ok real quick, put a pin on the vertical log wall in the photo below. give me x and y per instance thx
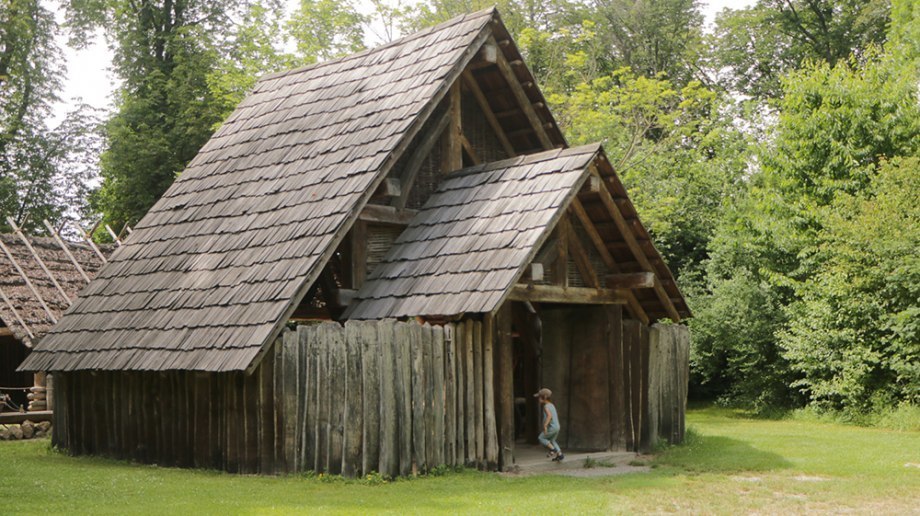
(669, 372)
(386, 396)
(177, 418)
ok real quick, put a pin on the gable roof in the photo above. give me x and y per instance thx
(211, 273)
(22, 310)
(471, 241)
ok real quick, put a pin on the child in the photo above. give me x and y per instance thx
(550, 424)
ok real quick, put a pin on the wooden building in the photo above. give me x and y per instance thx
(371, 266)
(39, 277)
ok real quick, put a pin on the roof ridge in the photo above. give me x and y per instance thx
(456, 20)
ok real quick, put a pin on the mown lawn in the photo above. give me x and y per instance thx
(732, 464)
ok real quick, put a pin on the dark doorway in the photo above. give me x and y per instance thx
(12, 353)
(527, 337)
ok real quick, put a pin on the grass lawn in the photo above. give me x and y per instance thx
(732, 464)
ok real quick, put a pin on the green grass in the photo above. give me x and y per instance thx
(730, 464)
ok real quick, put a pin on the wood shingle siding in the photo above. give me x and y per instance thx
(211, 273)
(471, 241)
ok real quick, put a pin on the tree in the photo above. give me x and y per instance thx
(837, 127)
(855, 334)
(759, 44)
(42, 170)
(654, 37)
(326, 29)
(164, 51)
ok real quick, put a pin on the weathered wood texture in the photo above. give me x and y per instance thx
(669, 370)
(387, 395)
(221, 421)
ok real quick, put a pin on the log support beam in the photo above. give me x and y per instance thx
(631, 280)
(637, 251)
(566, 295)
(632, 304)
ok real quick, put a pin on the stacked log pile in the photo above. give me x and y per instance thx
(26, 430)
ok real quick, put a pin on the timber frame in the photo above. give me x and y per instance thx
(398, 229)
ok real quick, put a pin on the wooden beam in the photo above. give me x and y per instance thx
(89, 241)
(632, 303)
(9, 304)
(379, 214)
(113, 235)
(518, 90)
(5, 332)
(635, 248)
(407, 178)
(38, 259)
(470, 151)
(63, 246)
(451, 146)
(390, 187)
(358, 253)
(488, 113)
(28, 282)
(561, 264)
(568, 295)
(582, 261)
(631, 280)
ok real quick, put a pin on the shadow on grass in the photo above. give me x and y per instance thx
(719, 454)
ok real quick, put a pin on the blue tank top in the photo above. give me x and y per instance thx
(554, 424)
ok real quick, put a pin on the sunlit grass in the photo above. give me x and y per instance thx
(730, 464)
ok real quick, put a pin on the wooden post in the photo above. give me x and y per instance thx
(354, 405)
(470, 407)
(436, 387)
(419, 380)
(488, 377)
(460, 392)
(404, 396)
(505, 387)
(450, 396)
(388, 463)
(615, 377)
(371, 350)
(451, 146)
(337, 373)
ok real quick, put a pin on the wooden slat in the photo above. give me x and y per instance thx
(371, 355)
(353, 417)
(439, 397)
(419, 381)
(388, 464)
(470, 393)
(404, 397)
(505, 394)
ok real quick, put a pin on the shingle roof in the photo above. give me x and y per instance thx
(28, 307)
(467, 246)
(210, 274)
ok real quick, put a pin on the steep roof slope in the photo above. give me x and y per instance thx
(24, 314)
(467, 246)
(212, 272)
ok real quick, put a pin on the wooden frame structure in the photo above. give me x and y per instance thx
(420, 195)
(39, 279)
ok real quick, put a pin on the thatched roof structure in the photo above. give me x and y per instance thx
(218, 266)
(25, 314)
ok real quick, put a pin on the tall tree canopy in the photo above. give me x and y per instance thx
(44, 170)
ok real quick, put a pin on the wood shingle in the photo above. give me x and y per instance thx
(211, 273)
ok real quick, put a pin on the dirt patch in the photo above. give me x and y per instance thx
(580, 472)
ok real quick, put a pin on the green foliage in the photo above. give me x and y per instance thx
(325, 29)
(855, 334)
(758, 45)
(44, 171)
(253, 52)
(675, 148)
